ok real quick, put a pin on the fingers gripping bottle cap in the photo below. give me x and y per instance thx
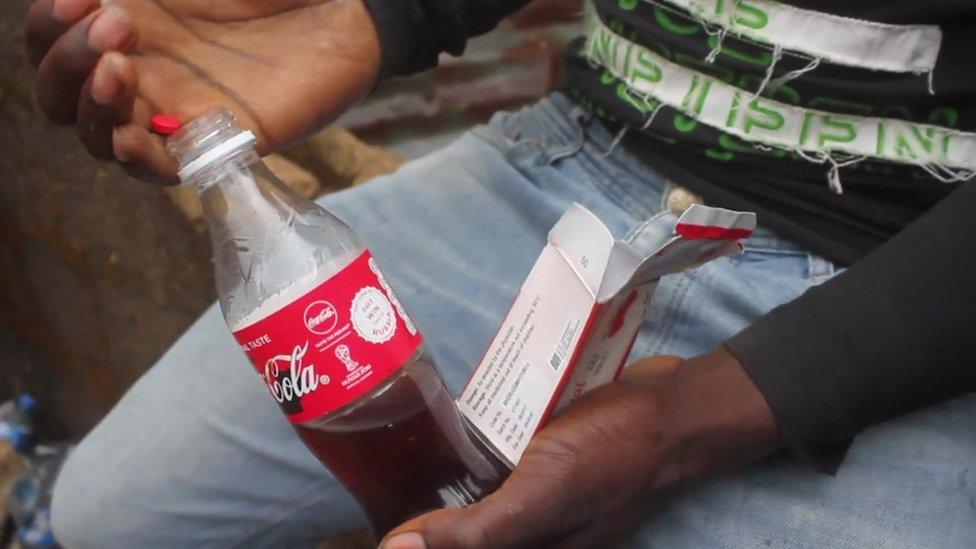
(208, 140)
(165, 124)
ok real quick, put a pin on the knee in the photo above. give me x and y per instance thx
(86, 502)
(71, 519)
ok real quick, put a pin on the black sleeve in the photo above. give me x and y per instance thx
(895, 332)
(414, 32)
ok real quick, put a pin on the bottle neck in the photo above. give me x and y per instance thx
(252, 218)
(246, 213)
(266, 237)
(235, 195)
(206, 146)
(234, 166)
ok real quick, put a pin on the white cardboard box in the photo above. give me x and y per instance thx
(576, 317)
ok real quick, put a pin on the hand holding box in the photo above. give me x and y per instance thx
(576, 317)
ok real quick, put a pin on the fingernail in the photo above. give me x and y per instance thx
(117, 150)
(109, 31)
(407, 540)
(105, 84)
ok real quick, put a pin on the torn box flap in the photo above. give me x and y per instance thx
(623, 263)
(708, 223)
(702, 233)
(586, 244)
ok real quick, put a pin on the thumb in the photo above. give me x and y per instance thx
(465, 527)
(514, 516)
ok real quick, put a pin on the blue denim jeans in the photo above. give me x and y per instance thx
(197, 454)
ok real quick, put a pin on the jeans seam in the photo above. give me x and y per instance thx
(672, 309)
(578, 139)
(599, 171)
(640, 228)
(774, 251)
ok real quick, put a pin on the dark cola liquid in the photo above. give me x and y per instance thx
(405, 451)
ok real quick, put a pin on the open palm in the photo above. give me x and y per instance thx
(285, 67)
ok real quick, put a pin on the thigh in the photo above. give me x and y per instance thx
(694, 311)
(905, 483)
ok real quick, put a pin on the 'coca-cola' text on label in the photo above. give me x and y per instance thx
(332, 345)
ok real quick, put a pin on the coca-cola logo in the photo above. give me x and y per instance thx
(288, 378)
(320, 317)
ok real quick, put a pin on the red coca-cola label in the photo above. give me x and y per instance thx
(329, 347)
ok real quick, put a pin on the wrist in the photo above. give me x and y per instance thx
(347, 43)
(368, 49)
(718, 418)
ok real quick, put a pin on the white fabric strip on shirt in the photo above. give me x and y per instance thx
(768, 122)
(840, 40)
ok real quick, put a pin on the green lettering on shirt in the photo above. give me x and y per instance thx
(664, 19)
(925, 138)
(604, 44)
(733, 110)
(770, 118)
(880, 147)
(627, 5)
(846, 131)
(724, 156)
(646, 69)
(695, 98)
(903, 148)
(750, 16)
(945, 116)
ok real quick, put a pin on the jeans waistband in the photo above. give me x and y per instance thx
(568, 129)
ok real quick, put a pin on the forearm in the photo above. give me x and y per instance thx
(893, 333)
(414, 32)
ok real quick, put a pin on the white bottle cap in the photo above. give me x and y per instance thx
(242, 139)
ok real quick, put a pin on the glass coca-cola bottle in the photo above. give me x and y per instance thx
(311, 309)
